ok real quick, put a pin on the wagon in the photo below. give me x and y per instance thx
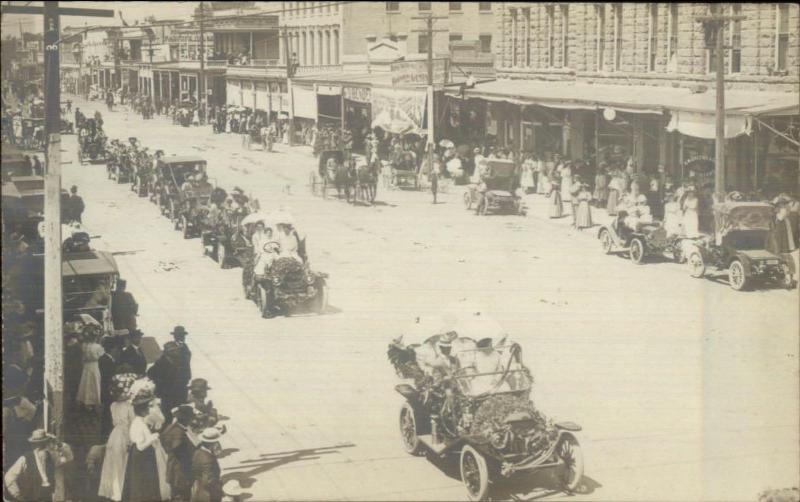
(495, 193)
(183, 205)
(484, 418)
(92, 149)
(324, 179)
(738, 246)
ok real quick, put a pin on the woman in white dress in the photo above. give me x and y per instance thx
(112, 475)
(566, 182)
(145, 470)
(543, 183)
(691, 219)
(89, 387)
(526, 181)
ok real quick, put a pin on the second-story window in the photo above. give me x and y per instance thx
(392, 6)
(455, 6)
(565, 35)
(551, 36)
(600, 45)
(424, 6)
(672, 49)
(617, 36)
(423, 42)
(455, 37)
(486, 43)
(526, 18)
(781, 36)
(735, 61)
(485, 6)
(652, 44)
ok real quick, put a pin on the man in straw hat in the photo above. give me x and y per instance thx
(32, 477)
(205, 413)
(205, 468)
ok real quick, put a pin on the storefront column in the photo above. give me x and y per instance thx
(638, 142)
(577, 123)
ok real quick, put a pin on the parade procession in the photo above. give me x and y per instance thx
(340, 250)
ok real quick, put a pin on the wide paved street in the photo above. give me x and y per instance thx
(685, 389)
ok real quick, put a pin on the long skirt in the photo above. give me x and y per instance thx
(89, 387)
(141, 476)
(112, 476)
(556, 207)
(613, 201)
(543, 186)
(583, 219)
(601, 194)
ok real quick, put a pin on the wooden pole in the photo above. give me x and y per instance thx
(719, 145)
(289, 75)
(201, 85)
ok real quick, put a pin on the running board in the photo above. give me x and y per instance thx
(437, 448)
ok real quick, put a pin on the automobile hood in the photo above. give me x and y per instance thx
(758, 254)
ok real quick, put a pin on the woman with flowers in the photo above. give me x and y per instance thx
(112, 475)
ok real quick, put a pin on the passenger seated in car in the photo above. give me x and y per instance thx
(434, 355)
(638, 214)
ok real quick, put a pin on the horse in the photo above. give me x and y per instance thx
(345, 177)
(368, 181)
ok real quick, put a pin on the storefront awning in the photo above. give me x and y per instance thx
(632, 98)
(704, 125)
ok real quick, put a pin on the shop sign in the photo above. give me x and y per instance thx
(416, 72)
(358, 94)
(398, 111)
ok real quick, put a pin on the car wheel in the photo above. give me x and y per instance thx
(606, 241)
(697, 267)
(474, 473)
(736, 276)
(677, 254)
(321, 300)
(467, 200)
(185, 226)
(569, 451)
(408, 430)
(636, 251)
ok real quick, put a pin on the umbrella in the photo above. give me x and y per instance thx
(256, 217)
(446, 143)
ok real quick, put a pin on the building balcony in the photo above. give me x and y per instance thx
(320, 68)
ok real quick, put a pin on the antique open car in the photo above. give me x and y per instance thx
(175, 203)
(738, 247)
(221, 238)
(645, 240)
(91, 147)
(88, 278)
(485, 417)
(498, 190)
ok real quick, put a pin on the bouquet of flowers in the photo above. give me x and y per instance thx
(121, 385)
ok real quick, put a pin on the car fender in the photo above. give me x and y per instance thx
(746, 262)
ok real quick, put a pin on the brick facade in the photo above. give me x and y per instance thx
(525, 34)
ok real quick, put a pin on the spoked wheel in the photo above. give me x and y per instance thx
(677, 253)
(606, 242)
(312, 183)
(467, 200)
(636, 251)
(788, 278)
(697, 267)
(222, 254)
(408, 431)
(474, 473)
(736, 276)
(569, 451)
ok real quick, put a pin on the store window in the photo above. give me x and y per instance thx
(735, 41)
(565, 36)
(551, 36)
(455, 6)
(600, 45)
(782, 36)
(485, 6)
(617, 37)
(672, 63)
(424, 6)
(392, 6)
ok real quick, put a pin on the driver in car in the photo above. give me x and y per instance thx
(638, 214)
(434, 356)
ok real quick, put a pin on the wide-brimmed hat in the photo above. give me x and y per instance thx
(199, 384)
(183, 410)
(446, 339)
(281, 217)
(39, 436)
(143, 399)
(210, 435)
(179, 331)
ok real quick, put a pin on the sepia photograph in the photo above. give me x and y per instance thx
(259, 251)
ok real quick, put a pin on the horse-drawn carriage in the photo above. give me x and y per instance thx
(739, 246)
(496, 190)
(405, 175)
(477, 408)
(337, 171)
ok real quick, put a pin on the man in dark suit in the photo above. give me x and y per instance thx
(108, 368)
(179, 335)
(165, 373)
(123, 307)
(180, 450)
(132, 354)
(205, 468)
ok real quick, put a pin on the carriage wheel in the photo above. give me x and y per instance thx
(474, 473)
(737, 277)
(697, 267)
(222, 254)
(408, 431)
(606, 242)
(569, 451)
(636, 251)
(467, 200)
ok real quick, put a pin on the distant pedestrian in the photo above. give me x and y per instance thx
(74, 206)
(180, 450)
(583, 217)
(179, 336)
(132, 353)
(556, 206)
(166, 374)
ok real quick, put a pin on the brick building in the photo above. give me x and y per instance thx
(636, 80)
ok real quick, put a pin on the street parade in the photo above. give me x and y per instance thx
(400, 251)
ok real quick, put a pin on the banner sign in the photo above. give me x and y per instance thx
(398, 111)
(416, 72)
(358, 94)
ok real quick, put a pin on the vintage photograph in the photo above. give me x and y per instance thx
(400, 251)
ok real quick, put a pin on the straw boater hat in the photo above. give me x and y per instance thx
(210, 435)
(39, 436)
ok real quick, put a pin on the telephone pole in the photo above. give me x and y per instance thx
(429, 20)
(714, 32)
(201, 85)
(290, 69)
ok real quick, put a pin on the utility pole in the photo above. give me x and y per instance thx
(290, 69)
(429, 20)
(53, 300)
(714, 34)
(201, 85)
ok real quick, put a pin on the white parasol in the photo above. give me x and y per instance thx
(281, 216)
(256, 217)
(446, 143)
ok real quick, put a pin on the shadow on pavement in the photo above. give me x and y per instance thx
(247, 470)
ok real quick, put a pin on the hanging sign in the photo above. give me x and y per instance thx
(410, 73)
(398, 111)
(358, 94)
